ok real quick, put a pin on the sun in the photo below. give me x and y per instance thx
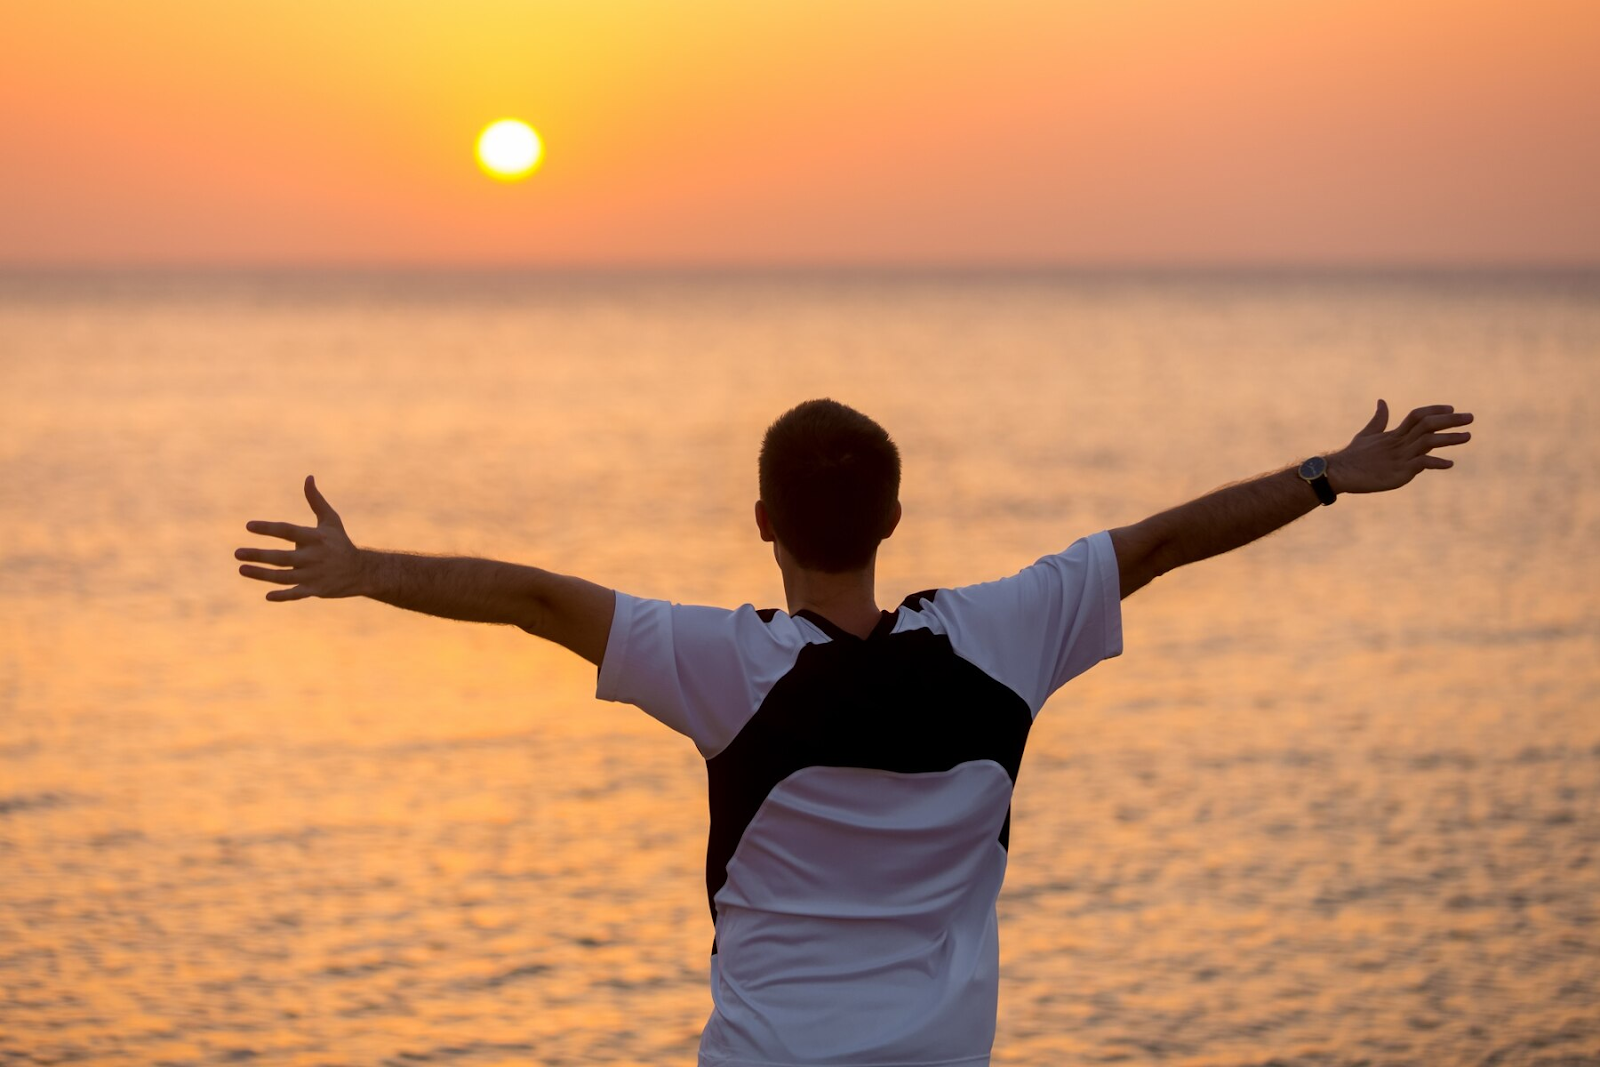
(509, 150)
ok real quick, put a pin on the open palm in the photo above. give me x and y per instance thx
(1377, 459)
(323, 563)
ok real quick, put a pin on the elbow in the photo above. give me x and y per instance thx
(1157, 563)
(1144, 554)
(1165, 556)
(532, 614)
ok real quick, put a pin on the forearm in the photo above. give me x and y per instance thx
(1375, 461)
(1229, 518)
(572, 612)
(455, 587)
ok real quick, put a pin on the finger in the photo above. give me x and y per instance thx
(1437, 463)
(1379, 420)
(1431, 441)
(1418, 414)
(1435, 423)
(299, 592)
(267, 574)
(319, 504)
(288, 531)
(267, 555)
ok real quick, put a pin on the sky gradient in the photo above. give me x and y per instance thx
(1083, 132)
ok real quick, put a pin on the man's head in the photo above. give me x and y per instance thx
(830, 486)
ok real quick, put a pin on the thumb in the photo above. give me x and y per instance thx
(1379, 420)
(319, 504)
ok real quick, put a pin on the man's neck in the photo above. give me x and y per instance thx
(847, 599)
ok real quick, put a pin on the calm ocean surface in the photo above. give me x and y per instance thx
(1338, 803)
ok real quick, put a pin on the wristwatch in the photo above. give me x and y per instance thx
(1315, 471)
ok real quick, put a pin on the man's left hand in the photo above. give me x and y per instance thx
(1377, 460)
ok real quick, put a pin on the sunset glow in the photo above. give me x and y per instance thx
(1098, 132)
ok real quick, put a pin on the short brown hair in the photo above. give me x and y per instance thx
(830, 479)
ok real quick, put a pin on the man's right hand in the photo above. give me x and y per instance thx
(1376, 460)
(323, 562)
(569, 611)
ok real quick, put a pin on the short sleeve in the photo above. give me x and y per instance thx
(702, 671)
(1044, 625)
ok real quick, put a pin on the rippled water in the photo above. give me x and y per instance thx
(1338, 802)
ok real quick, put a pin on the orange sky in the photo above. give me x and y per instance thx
(732, 132)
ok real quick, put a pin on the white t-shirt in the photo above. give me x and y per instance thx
(861, 800)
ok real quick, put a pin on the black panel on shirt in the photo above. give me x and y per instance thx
(895, 702)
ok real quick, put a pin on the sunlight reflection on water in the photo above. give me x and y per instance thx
(1338, 803)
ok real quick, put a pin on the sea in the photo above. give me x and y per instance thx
(1337, 804)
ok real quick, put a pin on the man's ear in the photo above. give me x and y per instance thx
(764, 522)
(894, 520)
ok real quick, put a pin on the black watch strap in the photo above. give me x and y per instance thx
(1314, 472)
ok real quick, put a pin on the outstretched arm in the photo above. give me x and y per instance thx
(1235, 515)
(325, 563)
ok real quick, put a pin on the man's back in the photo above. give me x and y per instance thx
(860, 794)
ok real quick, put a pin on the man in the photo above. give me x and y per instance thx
(860, 761)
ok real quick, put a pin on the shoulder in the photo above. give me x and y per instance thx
(1088, 561)
(688, 621)
(1035, 629)
(668, 637)
(702, 670)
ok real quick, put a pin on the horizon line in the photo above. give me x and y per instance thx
(804, 267)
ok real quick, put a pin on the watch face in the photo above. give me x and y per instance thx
(1314, 467)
